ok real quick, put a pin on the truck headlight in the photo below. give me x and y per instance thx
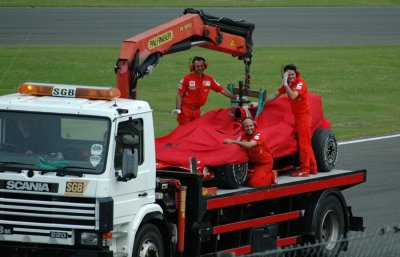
(89, 238)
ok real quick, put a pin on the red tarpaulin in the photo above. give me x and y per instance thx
(203, 138)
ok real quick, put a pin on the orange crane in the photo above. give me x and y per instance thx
(141, 53)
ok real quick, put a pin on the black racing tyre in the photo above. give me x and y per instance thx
(148, 242)
(325, 149)
(231, 176)
(329, 229)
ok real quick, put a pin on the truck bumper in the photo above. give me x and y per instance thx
(18, 250)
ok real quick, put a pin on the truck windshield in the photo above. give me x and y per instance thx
(50, 142)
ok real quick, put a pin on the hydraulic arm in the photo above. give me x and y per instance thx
(141, 53)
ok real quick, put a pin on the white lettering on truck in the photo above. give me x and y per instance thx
(27, 186)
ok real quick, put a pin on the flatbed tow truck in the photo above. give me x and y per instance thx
(89, 187)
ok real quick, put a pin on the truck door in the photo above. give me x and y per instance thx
(134, 192)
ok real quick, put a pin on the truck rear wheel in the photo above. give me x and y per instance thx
(329, 228)
(325, 149)
(148, 242)
(231, 176)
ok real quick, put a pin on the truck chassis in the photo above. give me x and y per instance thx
(249, 220)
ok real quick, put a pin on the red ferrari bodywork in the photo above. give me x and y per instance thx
(203, 138)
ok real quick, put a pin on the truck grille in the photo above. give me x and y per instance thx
(50, 212)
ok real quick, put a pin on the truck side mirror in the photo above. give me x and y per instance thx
(129, 165)
(130, 159)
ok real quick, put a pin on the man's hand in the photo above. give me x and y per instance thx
(228, 141)
(285, 78)
(243, 100)
(176, 111)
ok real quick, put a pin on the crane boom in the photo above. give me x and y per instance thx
(141, 53)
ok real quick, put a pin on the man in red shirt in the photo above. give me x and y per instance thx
(261, 161)
(193, 92)
(296, 89)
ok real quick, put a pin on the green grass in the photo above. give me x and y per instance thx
(358, 83)
(196, 3)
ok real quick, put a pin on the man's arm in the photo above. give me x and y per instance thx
(292, 94)
(272, 97)
(228, 93)
(179, 96)
(178, 104)
(243, 144)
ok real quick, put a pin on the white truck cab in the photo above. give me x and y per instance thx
(61, 157)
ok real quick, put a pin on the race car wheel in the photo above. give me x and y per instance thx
(325, 149)
(231, 176)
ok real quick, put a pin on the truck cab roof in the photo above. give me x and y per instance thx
(72, 104)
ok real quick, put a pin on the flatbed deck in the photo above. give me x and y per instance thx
(285, 179)
(287, 185)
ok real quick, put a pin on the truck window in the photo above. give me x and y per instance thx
(21, 135)
(54, 141)
(130, 127)
(84, 139)
(83, 129)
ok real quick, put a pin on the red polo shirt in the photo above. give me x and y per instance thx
(195, 89)
(259, 154)
(300, 104)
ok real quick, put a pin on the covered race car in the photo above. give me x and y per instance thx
(203, 139)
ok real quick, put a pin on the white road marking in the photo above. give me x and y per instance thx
(368, 139)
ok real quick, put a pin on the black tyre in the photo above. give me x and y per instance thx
(325, 149)
(148, 242)
(231, 176)
(329, 228)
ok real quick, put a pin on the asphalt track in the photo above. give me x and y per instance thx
(274, 26)
(377, 200)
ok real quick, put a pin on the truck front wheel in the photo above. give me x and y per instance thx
(148, 242)
(330, 227)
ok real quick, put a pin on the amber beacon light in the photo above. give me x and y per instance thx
(57, 90)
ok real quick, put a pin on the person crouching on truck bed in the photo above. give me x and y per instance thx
(296, 89)
(193, 91)
(261, 161)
